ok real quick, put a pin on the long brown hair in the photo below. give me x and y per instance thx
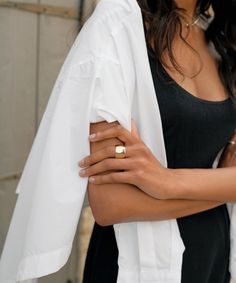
(163, 19)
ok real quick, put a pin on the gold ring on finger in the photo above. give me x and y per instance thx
(120, 151)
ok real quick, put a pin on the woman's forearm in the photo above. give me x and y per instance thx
(122, 202)
(125, 203)
(143, 170)
(204, 184)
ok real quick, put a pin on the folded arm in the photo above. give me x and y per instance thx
(115, 203)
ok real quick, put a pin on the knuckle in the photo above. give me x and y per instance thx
(112, 177)
(88, 171)
(135, 148)
(144, 149)
(138, 162)
(143, 161)
(119, 127)
(87, 160)
(128, 177)
(139, 173)
(120, 130)
(98, 180)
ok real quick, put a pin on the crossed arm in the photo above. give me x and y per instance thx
(115, 203)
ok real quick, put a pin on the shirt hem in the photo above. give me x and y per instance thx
(39, 265)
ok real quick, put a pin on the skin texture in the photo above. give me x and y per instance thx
(128, 189)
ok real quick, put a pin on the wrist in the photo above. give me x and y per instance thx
(176, 184)
(162, 183)
(168, 185)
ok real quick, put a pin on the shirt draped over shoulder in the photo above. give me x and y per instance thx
(50, 190)
(106, 76)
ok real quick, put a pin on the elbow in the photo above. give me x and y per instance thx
(102, 214)
(103, 209)
(102, 221)
(103, 217)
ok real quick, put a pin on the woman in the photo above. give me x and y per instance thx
(195, 89)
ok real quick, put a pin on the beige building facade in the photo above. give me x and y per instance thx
(35, 39)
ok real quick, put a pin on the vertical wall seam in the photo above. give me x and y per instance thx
(36, 118)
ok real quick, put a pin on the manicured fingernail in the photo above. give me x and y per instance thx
(92, 136)
(91, 179)
(82, 172)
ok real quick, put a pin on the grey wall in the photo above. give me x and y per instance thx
(33, 48)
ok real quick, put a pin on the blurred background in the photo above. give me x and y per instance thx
(35, 37)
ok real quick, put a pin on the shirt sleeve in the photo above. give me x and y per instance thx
(51, 193)
(111, 101)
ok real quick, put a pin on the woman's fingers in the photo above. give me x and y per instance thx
(116, 177)
(232, 142)
(115, 132)
(232, 145)
(228, 158)
(106, 165)
(103, 167)
(137, 157)
(107, 152)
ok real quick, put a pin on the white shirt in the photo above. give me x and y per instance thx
(106, 76)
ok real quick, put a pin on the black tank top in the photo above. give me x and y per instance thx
(194, 131)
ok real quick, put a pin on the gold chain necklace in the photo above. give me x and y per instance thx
(193, 23)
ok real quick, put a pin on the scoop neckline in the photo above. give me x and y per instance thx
(186, 92)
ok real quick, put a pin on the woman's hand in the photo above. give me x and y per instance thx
(139, 168)
(228, 157)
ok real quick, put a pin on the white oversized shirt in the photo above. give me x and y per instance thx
(106, 76)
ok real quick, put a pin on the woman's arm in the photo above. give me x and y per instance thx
(206, 184)
(115, 203)
(220, 182)
(143, 170)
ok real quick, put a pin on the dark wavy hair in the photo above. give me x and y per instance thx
(163, 19)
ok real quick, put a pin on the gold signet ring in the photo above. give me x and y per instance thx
(120, 151)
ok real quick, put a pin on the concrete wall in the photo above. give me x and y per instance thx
(33, 48)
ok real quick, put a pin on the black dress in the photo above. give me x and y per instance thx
(194, 131)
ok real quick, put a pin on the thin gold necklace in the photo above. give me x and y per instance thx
(193, 23)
